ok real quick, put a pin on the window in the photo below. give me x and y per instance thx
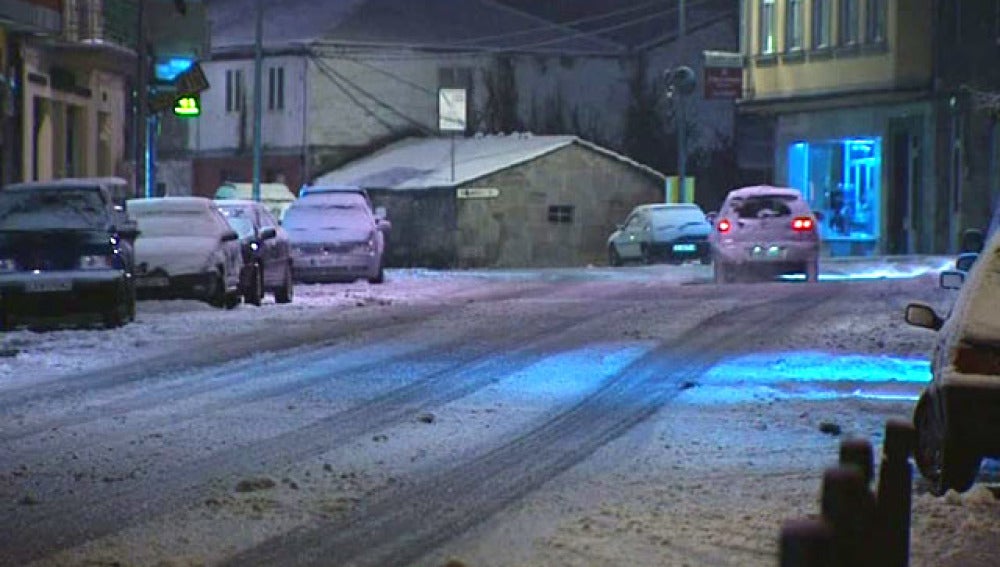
(875, 22)
(234, 90)
(561, 214)
(849, 22)
(793, 25)
(766, 43)
(276, 88)
(821, 23)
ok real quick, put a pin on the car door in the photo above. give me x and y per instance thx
(631, 236)
(232, 251)
(274, 251)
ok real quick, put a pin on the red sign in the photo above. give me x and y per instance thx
(723, 82)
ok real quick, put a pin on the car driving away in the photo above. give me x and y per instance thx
(186, 249)
(674, 232)
(762, 232)
(267, 261)
(336, 237)
(958, 414)
(64, 251)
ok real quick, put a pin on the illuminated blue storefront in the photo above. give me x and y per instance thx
(859, 168)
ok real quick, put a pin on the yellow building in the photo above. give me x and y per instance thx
(838, 103)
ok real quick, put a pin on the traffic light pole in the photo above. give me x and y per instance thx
(681, 118)
(258, 103)
(141, 133)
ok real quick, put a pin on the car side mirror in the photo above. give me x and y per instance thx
(923, 315)
(230, 236)
(819, 215)
(710, 217)
(381, 213)
(965, 261)
(384, 225)
(268, 233)
(952, 279)
(973, 240)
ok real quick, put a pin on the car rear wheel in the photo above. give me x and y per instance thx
(380, 277)
(217, 295)
(614, 259)
(812, 271)
(645, 255)
(285, 293)
(942, 459)
(722, 272)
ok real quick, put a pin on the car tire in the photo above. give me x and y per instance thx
(645, 255)
(614, 259)
(380, 277)
(217, 297)
(132, 298)
(117, 314)
(705, 260)
(811, 271)
(722, 272)
(285, 293)
(943, 460)
(254, 295)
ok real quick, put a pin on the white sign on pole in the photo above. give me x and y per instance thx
(478, 193)
(451, 110)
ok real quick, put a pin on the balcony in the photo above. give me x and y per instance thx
(101, 23)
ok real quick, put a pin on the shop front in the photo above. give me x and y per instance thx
(870, 192)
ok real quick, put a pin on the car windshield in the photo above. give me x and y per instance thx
(52, 209)
(343, 199)
(676, 216)
(239, 219)
(326, 216)
(175, 223)
(764, 206)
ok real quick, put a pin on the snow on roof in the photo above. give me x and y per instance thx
(977, 307)
(471, 25)
(425, 163)
(169, 204)
(758, 190)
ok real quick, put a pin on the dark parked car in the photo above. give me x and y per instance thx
(267, 256)
(958, 414)
(65, 249)
(674, 232)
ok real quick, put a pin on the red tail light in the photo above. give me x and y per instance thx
(724, 226)
(803, 224)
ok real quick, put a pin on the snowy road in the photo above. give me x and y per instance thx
(565, 417)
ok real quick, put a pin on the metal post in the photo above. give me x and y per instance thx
(806, 543)
(895, 493)
(152, 129)
(258, 102)
(849, 507)
(681, 119)
(141, 128)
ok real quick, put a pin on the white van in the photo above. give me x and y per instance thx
(277, 197)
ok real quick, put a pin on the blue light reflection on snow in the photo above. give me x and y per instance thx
(811, 376)
(571, 373)
(875, 272)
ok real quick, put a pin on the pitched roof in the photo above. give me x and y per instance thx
(464, 25)
(425, 163)
(638, 24)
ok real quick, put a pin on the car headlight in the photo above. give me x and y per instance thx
(7, 265)
(363, 248)
(97, 261)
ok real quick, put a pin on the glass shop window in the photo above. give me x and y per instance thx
(841, 179)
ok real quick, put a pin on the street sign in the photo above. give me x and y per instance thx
(452, 110)
(188, 106)
(478, 193)
(723, 75)
(192, 81)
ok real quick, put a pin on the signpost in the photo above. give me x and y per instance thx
(723, 75)
(477, 193)
(452, 114)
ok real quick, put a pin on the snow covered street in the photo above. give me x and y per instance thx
(590, 417)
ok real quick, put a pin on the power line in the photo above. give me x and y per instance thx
(333, 80)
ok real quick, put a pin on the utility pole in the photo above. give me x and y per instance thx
(258, 103)
(681, 115)
(141, 134)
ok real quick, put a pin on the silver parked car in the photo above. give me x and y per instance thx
(186, 249)
(764, 231)
(336, 237)
(674, 232)
(958, 414)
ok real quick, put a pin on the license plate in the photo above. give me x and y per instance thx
(685, 248)
(48, 286)
(152, 282)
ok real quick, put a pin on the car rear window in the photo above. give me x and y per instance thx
(52, 208)
(764, 206)
(154, 223)
(335, 200)
(677, 215)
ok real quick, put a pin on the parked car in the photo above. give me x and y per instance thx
(335, 236)
(958, 415)
(186, 249)
(267, 256)
(674, 232)
(64, 249)
(312, 190)
(764, 231)
(276, 197)
(973, 240)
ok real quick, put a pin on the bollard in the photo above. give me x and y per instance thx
(858, 452)
(806, 543)
(895, 492)
(849, 507)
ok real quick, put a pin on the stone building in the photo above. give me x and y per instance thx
(508, 201)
